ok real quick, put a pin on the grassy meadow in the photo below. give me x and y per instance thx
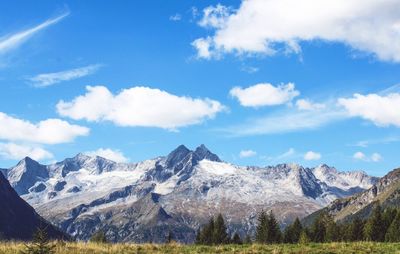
(89, 248)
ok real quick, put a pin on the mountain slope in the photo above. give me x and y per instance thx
(386, 191)
(18, 220)
(179, 192)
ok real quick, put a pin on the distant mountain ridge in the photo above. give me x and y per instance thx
(177, 192)
(386, 192)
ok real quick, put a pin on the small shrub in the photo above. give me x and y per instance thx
(40, 243)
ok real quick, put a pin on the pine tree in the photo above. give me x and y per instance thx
(318, 229)
(393, 232)
(208, 233)
(40, 243)
(332, 230)
(170, 237)
(287, 234)
(292, 232)
(374, 229)
(262, 228)
(355, 230)
(236, 239)
(304, 238)
(220, 234)
(388, 216)
(199, 239)
(274, 234)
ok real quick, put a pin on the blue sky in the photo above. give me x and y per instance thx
(133, 80)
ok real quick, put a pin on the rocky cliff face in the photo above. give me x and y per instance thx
(179, 192)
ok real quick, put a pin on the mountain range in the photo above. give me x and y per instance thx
(386, 192)
(175, 193)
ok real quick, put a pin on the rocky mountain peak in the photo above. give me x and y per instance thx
(202, 153)
(25, 174)
(27, 162)
(177, 155)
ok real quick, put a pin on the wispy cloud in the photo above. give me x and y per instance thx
(284, 122)
(48, 79)
(175, 17)
(247, 153)
(375, 157)
(289, 154)
(385, 140)
(13, 41)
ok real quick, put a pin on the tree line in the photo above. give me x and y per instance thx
(383, 225)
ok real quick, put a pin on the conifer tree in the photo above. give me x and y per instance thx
(40, 243)
(287, 234)
(318, 229)
(332, 230)
(199, 239)
(374, 229)
(292, 232)
(304, 238)
(220, 234)
(388, 216)
(393, 232)
(170, 237)
(274, 234)
(207, 234)
(355, 230)
(262, 228)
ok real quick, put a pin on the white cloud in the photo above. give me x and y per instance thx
(281, 157)
(114, 155)
(264, 94)
(381, 110)
(375, 157)
(214, 16)
(304, 104)
(175, 17)
(384, 140)
(359, 156)
(48, 79)
(269, 26)
(50, 131)
(285, 121)
(312, 156)
(247, 153)
(17, 152)
(287, 154)
(139, 106)
(12, 41)
(203, 48)
(250, 69)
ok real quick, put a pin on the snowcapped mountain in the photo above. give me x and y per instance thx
(178, 193)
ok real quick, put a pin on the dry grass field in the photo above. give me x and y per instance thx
(93, 248)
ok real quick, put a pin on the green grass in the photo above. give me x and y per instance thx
(92, 248)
